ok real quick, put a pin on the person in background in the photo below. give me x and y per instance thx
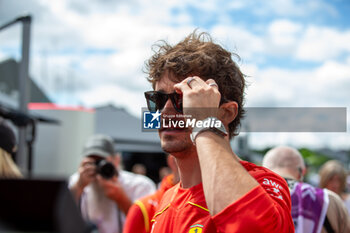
(8, 169)
(142, 211)
(333, 177)
(164, 171)
(218, 192)
(139, 168)
(103, 190)
(314, 210)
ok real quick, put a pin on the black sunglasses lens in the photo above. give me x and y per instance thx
(160, 99)
(155, 100)
(176, 99)
(150, 104)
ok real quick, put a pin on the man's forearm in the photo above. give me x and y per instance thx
(224, 179)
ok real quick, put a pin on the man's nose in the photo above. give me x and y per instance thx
(168, 107)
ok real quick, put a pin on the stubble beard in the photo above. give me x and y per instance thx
(173, 145)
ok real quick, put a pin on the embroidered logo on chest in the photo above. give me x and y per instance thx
(197, 228)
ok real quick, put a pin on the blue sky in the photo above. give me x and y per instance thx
(295, 53)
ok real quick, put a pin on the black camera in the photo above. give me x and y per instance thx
(106, 169)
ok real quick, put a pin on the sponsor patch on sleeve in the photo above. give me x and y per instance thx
(273, 188)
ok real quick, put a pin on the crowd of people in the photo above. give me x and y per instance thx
(313, 209)
(209, 188)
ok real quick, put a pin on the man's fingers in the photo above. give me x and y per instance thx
(87, 172)
(212, 83)
(87, 168)
(182, 86)
(190, 83)
(195, 82)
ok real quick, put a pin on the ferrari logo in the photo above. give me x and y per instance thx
(196, 229)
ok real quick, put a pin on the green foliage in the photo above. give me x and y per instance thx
(262, 151)
(313, 159)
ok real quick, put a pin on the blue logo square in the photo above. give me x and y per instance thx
(151, 120)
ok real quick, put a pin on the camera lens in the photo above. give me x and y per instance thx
(106, 169)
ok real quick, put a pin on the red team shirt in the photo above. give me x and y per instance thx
(265, 208)
(141, 212)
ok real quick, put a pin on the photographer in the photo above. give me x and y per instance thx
(104, 191)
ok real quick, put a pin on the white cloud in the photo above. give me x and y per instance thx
(321, 43)
(268, 88)
(282, 37)
(238, 39)
(286, 39)
(326, 85)
(289, 8)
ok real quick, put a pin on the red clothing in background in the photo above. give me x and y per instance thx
(141, 212)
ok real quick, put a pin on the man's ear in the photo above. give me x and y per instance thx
(304, 171)
(228, 112)
(301, 173)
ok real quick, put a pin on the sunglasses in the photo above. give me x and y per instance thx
(156, 100)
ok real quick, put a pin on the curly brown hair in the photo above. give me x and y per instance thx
(198, 55)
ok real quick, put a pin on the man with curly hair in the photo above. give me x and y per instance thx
(217, 192)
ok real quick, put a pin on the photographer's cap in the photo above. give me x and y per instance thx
(100, 145)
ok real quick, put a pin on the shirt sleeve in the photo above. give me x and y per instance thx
(136, 186)
(142, 189)
(73, 179)
(266, 208)
(135, 221)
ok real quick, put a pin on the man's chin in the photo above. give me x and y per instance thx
(172, 149)
(175, 146)
(173, 141)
